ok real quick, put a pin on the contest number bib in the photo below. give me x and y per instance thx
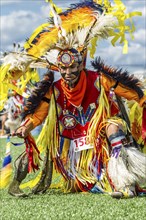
(81, 143)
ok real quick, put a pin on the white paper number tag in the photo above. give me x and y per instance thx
(80, 144)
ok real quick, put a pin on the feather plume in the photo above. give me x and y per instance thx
(77, 17)
(81, 37)
(51, 55)
(17, 60)
(56, 17)
(75, 26)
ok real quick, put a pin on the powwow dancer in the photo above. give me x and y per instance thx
(83, 135)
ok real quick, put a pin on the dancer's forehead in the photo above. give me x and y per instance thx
(74, 65)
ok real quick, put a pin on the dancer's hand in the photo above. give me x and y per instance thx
(22, 132)
(25, 128)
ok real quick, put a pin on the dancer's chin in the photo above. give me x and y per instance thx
(70, 81)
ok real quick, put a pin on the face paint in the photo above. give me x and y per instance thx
(77, 73)
(70, 74)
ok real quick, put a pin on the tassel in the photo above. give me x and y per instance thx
(33, 153)
(6, 171)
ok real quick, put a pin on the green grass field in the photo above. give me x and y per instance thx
(54, 204)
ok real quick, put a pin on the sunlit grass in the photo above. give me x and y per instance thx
(56, 205)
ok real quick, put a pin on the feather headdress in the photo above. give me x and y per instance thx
(74, 28)
(73, 31)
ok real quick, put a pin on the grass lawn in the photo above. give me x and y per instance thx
(56, 205)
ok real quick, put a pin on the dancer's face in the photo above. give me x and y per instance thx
(71, 74)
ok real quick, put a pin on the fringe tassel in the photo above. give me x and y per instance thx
(96, 126)
(44, 141)
(33, 153)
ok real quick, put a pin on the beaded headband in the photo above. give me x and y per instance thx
(66, 58)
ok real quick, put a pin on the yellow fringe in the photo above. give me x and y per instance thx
(135, 117)
(101, 113)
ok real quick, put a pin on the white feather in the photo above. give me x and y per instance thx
(17, 60)
(102, 27)
(56, 17)
(51, 56)
(78, 38)
(128, 169)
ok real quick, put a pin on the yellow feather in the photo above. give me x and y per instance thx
(3, 71)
